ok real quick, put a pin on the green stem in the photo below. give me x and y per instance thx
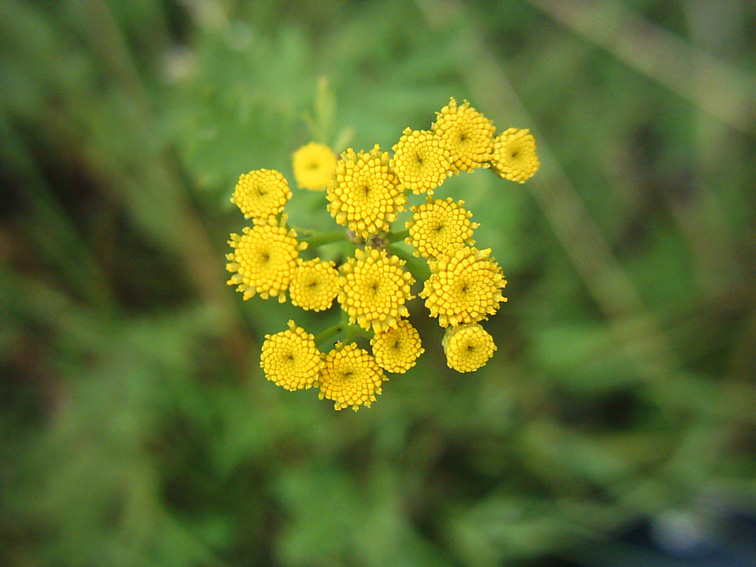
(316, 238)
(354, 331)
(418, 269)
(342, 326)
(329, 333)
(351, 331)
(398, 236)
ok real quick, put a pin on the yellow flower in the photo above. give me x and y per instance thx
(350, 377)
(291, 359)
(314, 284)
(264, 259)
(422, 161)
(314, 166)
(261, 193)
(365, 195)
(467, 347)
(468, 133)
(464, 287)
(439, 227)
(397, 349)
(374, 288)
(514, 155)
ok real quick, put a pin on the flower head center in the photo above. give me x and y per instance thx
(372, 287)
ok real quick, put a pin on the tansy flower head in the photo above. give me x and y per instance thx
(467, 347)
(314, 166)
(439, 227)
(514, 155)
(374, 289)
(314, 284)
(291, 359)
(464, 287)
(350, 377)
(365, 195)
(468, 133)
(398, 348)
(261, 193)
(422, 161)
(264, 259)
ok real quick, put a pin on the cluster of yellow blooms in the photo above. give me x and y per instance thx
(365, 192)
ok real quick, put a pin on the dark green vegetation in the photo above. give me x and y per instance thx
(135, 425)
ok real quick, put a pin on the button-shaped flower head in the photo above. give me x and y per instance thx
(264, 259)
(467, 347)
(314, 284)
(514, 155)
(350, 377)
(439, 227)
(468, 133)
(374, 289)
(314, 165)
(261, 193)
(398, 348)
(291, 359)
(422, 160)
(365, 195)
(464, 287)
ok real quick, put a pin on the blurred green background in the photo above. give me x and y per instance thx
(136, 427)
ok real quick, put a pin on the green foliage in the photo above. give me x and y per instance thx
(135, 425)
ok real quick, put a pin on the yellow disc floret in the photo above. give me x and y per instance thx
(422, 160)
(264, 259)
(514, 155)
(350, 377)
(397, 349)
(314, 166)
(468, 133)
(261, 193)
(439, 227)
(291, 359)
(467, 347)
(464, 287)
(314, 284)
(374, 289)
(365, 195)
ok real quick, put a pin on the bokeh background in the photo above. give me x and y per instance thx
(616, 424)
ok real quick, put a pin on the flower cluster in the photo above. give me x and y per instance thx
(372, 280)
